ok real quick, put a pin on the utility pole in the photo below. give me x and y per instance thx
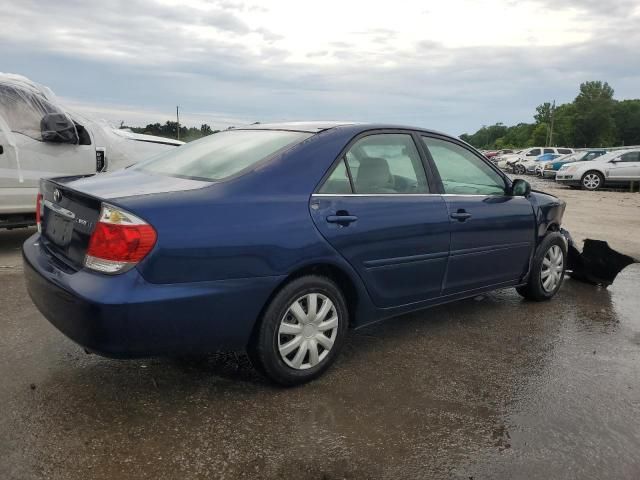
(553, 114)
(178, 120)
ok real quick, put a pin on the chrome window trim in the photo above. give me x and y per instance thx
(402, 195)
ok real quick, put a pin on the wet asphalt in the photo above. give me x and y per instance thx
(491, 387)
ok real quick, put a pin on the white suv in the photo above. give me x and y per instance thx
(611, 169)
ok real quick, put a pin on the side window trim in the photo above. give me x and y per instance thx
(436, 173)
(433, 177)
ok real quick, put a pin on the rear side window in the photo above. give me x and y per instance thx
(223, 154)
(338, 182)
(386, 163)
(462, 172)
(549, 150)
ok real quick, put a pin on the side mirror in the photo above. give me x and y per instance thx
(58, 128)
(520, 188)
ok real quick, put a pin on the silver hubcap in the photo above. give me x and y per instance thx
(591, 181)
(307, 331)
(552, 267)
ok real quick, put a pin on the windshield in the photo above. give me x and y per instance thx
(221, 155)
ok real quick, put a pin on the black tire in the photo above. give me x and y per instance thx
(534, 289)
(264, 348)
(596, 180)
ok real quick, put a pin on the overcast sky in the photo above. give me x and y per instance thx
(450, 65)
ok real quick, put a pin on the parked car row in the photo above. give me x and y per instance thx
(590, 169)
(525, 160)
(549, 168)
(492, 154)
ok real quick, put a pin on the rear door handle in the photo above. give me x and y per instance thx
(341, 219)
(461, 215)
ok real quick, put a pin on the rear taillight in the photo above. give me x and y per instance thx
(119, 241)
(39, 207)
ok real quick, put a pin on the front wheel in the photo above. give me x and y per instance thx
(301, 331)
(592, 180)
(547, 269)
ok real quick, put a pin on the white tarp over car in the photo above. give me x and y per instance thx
(39, 138)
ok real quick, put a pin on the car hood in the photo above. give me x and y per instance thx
(131, 183)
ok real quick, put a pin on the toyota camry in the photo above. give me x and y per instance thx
(276, 239)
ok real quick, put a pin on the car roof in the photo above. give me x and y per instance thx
(319, 126)
(310, 127)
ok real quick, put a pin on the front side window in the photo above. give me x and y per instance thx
(221, 155)
(630, 157)
(386, 163)
(549, 150)
(534, 153)
(24, 110)
(462, 172)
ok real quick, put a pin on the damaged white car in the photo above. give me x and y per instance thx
(40, 138)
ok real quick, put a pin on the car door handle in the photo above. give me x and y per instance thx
(341, 219)
(460, 215)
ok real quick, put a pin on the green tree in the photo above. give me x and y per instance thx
(627, 118)
(594, 123)
(538, 135)
(543, 113)
(563, 125)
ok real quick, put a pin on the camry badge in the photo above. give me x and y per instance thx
(56, 195)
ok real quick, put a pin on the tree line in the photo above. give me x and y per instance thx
(170, 130)
(593, 119)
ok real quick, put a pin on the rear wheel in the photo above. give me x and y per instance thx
(547, 269)
(301, 331)
(592, 180)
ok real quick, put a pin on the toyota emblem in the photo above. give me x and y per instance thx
(56, 195)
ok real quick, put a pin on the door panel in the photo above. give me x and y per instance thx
(398, 244)
(626, 168)
(492, 233)
(40, 159)
(492, 245)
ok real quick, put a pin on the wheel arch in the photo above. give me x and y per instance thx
(339, 275)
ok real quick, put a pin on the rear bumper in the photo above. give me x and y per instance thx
(125, 316)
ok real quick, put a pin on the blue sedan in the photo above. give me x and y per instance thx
(275, 239)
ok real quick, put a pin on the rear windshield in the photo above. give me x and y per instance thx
(221, 155)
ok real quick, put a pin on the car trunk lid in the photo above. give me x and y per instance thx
(68, 220)
(70, 215)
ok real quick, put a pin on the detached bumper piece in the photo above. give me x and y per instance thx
(598, 264)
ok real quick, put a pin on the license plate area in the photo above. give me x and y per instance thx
(58, 229)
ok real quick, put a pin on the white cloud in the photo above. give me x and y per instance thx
(450, 65)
